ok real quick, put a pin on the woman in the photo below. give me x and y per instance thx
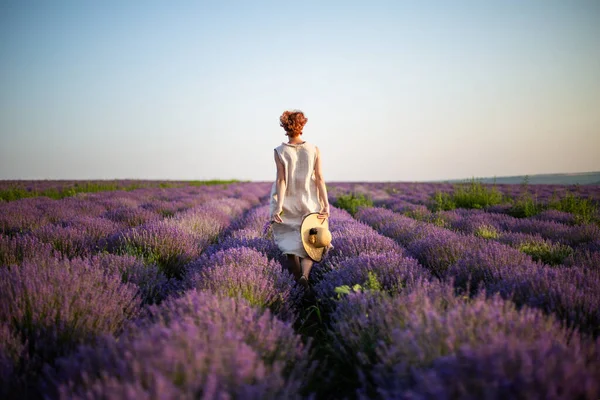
(298, 190)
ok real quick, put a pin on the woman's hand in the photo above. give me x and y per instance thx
(275, 217)
(324, 213)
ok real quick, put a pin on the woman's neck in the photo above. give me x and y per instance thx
(294, 139)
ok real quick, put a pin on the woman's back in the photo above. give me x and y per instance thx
(301, 196)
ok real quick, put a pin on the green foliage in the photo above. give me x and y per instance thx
(475, 194)
(345, 290)
(351, 202)
(420, 214)
(16, 192)
(442, 202)
(551, 254)
(584, 209)
(487, 232)
(146, 254)
(212, 182)
(438, 220)
(372, 284)
(527, 205)
(471, 194)
(391, 190)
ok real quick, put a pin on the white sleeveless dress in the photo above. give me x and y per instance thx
(301, 195)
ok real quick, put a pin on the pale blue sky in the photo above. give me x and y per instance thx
(393, 90)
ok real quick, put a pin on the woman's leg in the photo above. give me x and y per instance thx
(307, 265)
(293, 265)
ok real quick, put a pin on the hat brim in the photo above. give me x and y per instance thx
(310, 221)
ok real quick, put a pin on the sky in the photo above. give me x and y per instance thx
(393, 90)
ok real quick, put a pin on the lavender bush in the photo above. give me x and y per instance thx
(440, 249)
(484, 266)
(571, 294)
(14, 250)
(538, 248)
(584, 258)
(508, 368)
(71, 241)
(54, 305)
(161, 243)
(393, 272)
(387, 340)
(197, 346)
(12, 354)
(21, 216)
(130, 216)
(253, 220)
(244, 272)
(354, 239)
(152, 284)
(249, 239)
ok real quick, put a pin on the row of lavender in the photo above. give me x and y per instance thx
(553, 237)
(394, 329)
(472, 262)
(415, 193)
(477, 249)
(82, 267)
(228, 334)
(58, 185)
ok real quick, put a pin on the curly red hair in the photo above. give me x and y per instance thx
(293, 122)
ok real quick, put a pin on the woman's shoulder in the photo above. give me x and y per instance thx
(311, 146)
(279, 148)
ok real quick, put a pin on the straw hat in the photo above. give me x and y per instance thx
(315, 235)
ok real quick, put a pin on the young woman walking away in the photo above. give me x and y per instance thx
(298, 190)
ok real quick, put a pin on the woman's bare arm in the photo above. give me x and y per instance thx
(280, 187)
(322, 188)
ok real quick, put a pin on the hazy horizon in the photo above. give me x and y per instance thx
(393, 91)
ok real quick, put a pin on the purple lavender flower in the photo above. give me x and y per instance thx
(13, 250)
(56, 304)
(393, 272)
(261, 244)
(71, 241)
(486, 265)
(571, 294)
(386, 340)
(245, 233)
(509, 368)
(199, 345)
(538, 248)
(399, 227)
(203, 226)
(153, 286)
(440, 249)
(354, 239)
(21, 216)
(556, 216)
(12, 352)
(131, 217)
(244, 272)
(252, 220)
(584, 257)
(161, 243)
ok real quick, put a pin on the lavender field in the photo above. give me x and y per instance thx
(433, 291)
